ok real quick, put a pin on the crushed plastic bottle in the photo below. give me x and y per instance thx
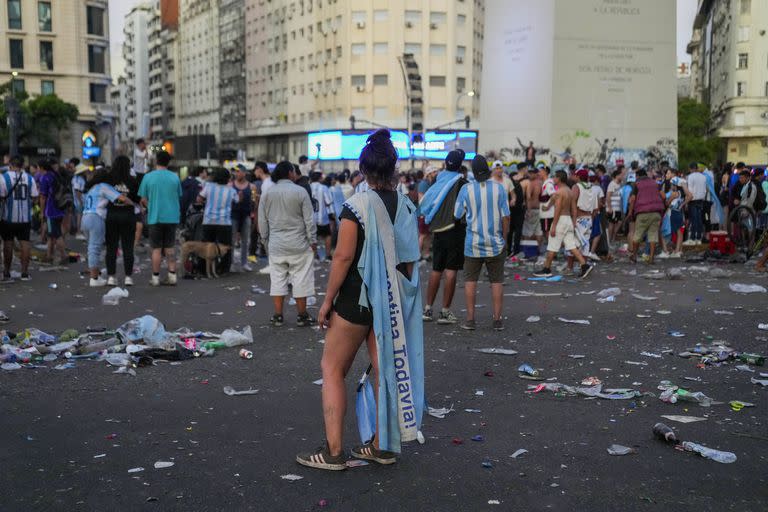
(698, 397)
(710, 453)
(617, 449)
(664, 433)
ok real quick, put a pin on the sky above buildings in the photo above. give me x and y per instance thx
(686, 12)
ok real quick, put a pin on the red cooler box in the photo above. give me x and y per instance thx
(721, 242)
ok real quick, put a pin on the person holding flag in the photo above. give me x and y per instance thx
(373, 294)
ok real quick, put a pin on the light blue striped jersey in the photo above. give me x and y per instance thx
(485, 204)
(18, 203)
(322, 195)
(97, 199)
(218, 204)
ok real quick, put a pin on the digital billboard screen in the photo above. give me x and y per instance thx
(347, 144)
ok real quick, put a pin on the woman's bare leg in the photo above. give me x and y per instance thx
(342, 341)
(374, 377)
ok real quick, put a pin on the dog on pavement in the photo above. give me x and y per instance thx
(209, 251)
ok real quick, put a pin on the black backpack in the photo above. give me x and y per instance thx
(760, 200)
(62, 192)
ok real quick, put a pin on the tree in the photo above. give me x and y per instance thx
(693, 138)
(43, 117)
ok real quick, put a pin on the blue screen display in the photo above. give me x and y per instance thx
(91, 152)
(346, 145)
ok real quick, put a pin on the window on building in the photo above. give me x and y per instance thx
(414, 48)
(743, 34)
(98, 93)
(461, 19)
(44, 22)
(743, 61)
(413, 17)
(746, 6)
(46, 55)
(380, 15)
(766, 89)
(338, 52)
(96, 60)
(461, 51)
(47, 88)
(14, 14)
(437, 17)
(741, 89)
(380, 79)
(359, 16)
(437, 81)
(738, 118)
(380, 48)
(95, 20)
(17, 53)
(461, 83)
(358, 81)
(743, 149)
(437, 50)
(358, 48)
(18, 86)
(437, 114)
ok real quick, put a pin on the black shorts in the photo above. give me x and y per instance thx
(546, 226)
(15, 230)
(162, 236)
(614, 217)
(323, 230)
(347, 307)
(54, 227)
(448, 249)
(221, 235)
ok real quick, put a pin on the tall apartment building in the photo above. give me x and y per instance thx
(311, 64)
(198, 62)
(729, 71)
(136, 116)
(232, 73)
(163, 73)
(61, 48)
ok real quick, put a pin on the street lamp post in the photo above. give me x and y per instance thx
(470, 94)
(12, 113)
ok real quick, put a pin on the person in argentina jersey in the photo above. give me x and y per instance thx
(17, 191)
(486, 206)
(98, 195)
(218, 197)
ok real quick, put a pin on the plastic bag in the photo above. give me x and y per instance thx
(147, 329)
(747, 288)
(113, 296)
(233, 338)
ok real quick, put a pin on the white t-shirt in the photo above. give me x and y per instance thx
(139, 161)
(614, 190)
(547, 193)
(266, 185)
(322, 195)
(587, 201)
(697, 186)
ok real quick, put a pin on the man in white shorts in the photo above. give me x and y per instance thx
(287, 227)
(563, 233)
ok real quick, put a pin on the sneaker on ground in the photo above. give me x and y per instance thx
(447, 317)
(545, 272)
(112, 281)
(97, 283)
(689, 243)
(322, 459)
(469, 325)
(427, 315)
(25, 276)
(276, 320)
(247, 268)
(664, 255)
(80, 236)
(585, 270)
(593, 256)
(265, 271)
(498, 325)
(676, 255)
(170, 280)
(304, 320)
(154, 281)
(128, 281)
(370, 452)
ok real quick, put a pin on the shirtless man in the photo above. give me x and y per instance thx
(532, 227)
(563, 232)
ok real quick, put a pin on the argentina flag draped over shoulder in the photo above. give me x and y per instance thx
(395, 302)
(434, 197)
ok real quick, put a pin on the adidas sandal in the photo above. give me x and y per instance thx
(370, 452)
(322, 459)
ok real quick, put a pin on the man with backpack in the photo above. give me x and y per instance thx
(55, 199)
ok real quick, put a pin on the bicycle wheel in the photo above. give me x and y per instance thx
(742, 231)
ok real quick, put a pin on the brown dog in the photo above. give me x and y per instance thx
(208, 251)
